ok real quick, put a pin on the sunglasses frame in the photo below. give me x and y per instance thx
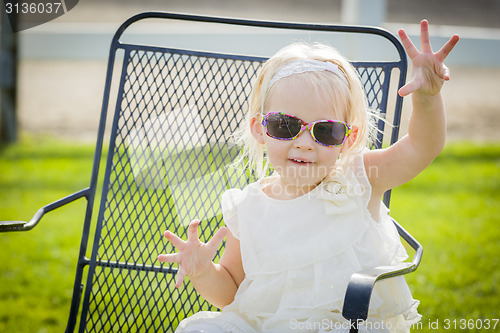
(305, 125)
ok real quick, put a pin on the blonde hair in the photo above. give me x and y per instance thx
(348, 101)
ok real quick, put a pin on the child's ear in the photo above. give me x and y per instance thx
(351, 139)
(257, 129)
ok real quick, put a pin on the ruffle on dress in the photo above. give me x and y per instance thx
(298, 267)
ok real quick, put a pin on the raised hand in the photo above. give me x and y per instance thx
(194, 256)
(429, 71)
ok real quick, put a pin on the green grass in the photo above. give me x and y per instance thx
(37, 267)
(451, 208)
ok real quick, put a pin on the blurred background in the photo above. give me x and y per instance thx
(51, 102)
(61, 64)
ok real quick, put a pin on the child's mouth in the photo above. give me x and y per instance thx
(299, 161)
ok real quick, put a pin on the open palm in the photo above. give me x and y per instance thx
(194, 255)
(429, 72)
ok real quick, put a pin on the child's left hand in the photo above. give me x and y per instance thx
(429, 71)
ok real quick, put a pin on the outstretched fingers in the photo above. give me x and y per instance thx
(193, 256)
(193, 230)
(174, 239)
(408, 88)
(169, 257)
(410, 48)
(174, 258)
(425, 40)
(429, 71)
(180, 276)
(446, 49)
(217, 239)
(178, 243)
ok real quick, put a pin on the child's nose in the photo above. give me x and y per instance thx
(304, 140)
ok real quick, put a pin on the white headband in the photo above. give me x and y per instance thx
(307, 65)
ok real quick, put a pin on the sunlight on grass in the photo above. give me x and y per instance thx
(38, 267)
(451, 208)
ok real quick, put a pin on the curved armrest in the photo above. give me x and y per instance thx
(361, 284)
(360, 287)
(25, 226)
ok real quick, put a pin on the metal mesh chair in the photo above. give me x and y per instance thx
(169, 159)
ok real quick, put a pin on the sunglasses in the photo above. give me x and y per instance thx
(282, 126)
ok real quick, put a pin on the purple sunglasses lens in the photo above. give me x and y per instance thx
(286, 127)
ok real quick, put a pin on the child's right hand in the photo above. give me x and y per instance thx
(194, 256)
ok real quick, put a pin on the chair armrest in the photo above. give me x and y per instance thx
(361, 284)
(360, 288)
(25, 226)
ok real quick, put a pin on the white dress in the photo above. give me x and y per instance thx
(298, 256)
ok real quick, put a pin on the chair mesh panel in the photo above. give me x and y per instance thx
(170, 153)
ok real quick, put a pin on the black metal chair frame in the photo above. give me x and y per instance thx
(361, 284)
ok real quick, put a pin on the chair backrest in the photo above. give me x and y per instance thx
(167, 163)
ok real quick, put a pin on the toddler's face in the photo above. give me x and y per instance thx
(302, 163)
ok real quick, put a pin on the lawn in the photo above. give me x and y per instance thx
(451, 208)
